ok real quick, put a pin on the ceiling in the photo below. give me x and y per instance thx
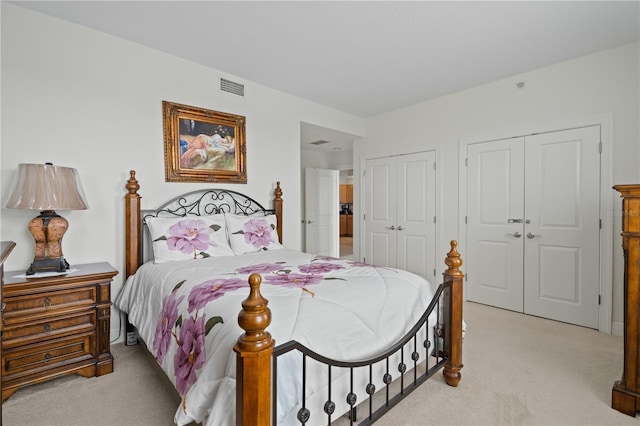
(363, 57)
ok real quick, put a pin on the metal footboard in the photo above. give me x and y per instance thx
(398, 380)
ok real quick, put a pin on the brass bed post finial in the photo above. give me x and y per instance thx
(253, 359)
(453, 315)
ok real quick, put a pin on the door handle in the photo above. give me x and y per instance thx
(400, 228)
(515, 234)
(514, 220)
(531, 236)
(309, 221)
(392, 227)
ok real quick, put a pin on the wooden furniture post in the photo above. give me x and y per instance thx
(453, 310)
(133, 256)
(625, 395)
(6, 247)
(277, 206)
(253, 359)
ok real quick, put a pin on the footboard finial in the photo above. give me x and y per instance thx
(253, 359)
(453, 313)
(453, 261)
(254, 318)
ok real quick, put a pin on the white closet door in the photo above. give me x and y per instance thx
(380, 212)
(549, 263)
(562, 201)
(415, 213)
(495, 213)
(400, 209)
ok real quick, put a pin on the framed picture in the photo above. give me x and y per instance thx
(202, 145)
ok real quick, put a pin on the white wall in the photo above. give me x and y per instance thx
(605, 84)
(315, 159)
(326, 160)
(80, 98)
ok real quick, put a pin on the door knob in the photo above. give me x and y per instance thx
(309, 221)
(515, 234)
(530, 235)
(393, 228)
(400, 228)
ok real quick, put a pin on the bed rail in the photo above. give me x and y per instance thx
(255, 349)
(407, 347)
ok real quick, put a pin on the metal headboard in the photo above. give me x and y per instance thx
(204, 202)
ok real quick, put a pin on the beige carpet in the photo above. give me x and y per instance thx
(518, 370)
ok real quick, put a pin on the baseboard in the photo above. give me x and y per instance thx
(617, 329)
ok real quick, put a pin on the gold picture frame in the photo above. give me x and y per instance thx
(202, 145)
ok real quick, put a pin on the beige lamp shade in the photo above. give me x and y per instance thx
(46, 187)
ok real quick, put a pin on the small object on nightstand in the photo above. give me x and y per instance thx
(56, 325)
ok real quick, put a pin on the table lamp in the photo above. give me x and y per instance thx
(47, 188)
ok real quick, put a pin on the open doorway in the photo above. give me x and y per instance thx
(346, 214)
(324, 148)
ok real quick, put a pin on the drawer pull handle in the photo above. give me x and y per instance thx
(47, 303)
(47, 358)
(47, 328)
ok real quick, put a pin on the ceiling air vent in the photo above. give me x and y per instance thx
(320, 142)
(231, 87)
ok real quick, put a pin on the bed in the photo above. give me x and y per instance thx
(210, 290)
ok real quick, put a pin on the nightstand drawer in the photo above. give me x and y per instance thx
(45, 304)
(48, 328)
(40, 357)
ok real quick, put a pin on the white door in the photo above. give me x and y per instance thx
(541, 193)
(495, 213)
(380, 212)
(562, 240)
(400, 213)
(416, 214)
(321, 212)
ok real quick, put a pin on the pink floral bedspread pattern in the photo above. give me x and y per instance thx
(341, 309)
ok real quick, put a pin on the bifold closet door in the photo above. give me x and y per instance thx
(400, 212)
(533, 228)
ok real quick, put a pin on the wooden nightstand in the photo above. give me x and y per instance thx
(56, 325)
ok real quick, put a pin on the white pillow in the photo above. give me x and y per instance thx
(248, 234)
(189, 237)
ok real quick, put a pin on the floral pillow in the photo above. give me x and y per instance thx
(248, 234)
(189, 237)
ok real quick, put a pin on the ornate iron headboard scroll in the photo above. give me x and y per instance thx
(208, 202)
(204, 202)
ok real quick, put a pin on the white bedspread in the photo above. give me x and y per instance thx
(340, 309)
